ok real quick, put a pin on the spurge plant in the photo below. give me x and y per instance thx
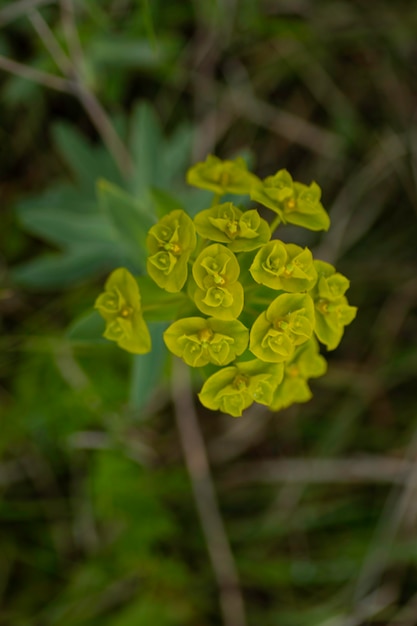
(245, 308)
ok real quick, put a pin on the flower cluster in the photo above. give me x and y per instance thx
(256, 307)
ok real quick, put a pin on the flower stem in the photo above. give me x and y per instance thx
(216, 199)
(274, 224)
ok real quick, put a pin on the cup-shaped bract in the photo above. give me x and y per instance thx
(233, 389)
(222, 176)
(305, 363)
(170, 243)
(218, 292)
(120, 306)
(333, 311)
(288, 322)
(200, 341)
(294, 202)
(287, 267)
(225, 223)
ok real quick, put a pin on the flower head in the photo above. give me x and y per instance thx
(294, 202)
(218, 292)
(120, 306)
(333, 311)
(284, 266)
(233, 389)
(170, 243)
(305, 363)
(288, 322)
(200, 341)
(222, 176)
(225, 223)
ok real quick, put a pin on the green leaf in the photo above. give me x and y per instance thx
(88, 163)
(147, 368)
(164, 203)
(129, 218)
(88, 329)
(160, 162)
(66, 229)
(159, 305)
(176, 155)
(62, 197)
(146, 147)
(54, 270)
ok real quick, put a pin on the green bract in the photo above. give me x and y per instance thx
(170, 243)
(218, 293)
(120, 306)
(305, 363)
(294, 202)
(222, 176)
(200, 341)
(333, 311)
(284, 266)
(281, 292)
(228, 224)
(233, 389)
(287, 322)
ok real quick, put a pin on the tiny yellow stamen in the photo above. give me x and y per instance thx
(280, 324)
(293, 371)
(224, 179)
(240, 382)
(205, 335)
(323, 306)
(174, 248)
(232, 228)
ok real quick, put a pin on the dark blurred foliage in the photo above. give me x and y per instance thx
(98, 522)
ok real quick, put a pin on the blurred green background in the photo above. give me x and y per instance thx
(98, 523)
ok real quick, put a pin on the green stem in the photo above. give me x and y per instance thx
(251, 288)
(274, 224)
(216, 199)
(263, 301)
(202, 241)
(172, 305)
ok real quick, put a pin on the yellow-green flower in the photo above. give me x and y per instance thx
(284, 266)
(233, 389)
(170, 243)
(288, 322)
(294, 202)
(218, 292)
(120, 306)
(227, 224)
(200, 341)
(222, 176)
(305, 363)
(333, 311)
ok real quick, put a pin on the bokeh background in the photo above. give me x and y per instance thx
(99, 516)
